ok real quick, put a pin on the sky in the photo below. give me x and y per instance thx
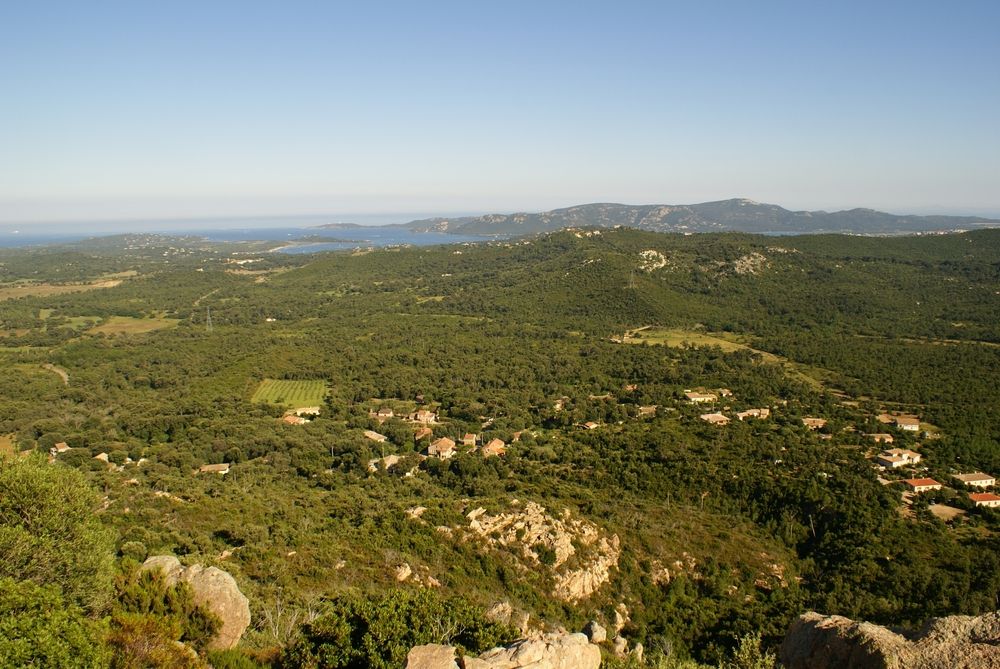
(148, 110)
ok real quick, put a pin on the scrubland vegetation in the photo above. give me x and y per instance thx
(724, 530)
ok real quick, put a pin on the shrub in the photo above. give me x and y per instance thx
(361, 632)
(39, 628)
(147, 593)
(49, 533)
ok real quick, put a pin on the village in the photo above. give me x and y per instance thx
(893, 451)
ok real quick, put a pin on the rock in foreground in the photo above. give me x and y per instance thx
(554, 651)
(815, 641)
(214, 589)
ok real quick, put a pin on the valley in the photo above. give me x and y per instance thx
(541, 447)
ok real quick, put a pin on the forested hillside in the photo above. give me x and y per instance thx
(595, 356)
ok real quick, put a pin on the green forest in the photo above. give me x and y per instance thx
(130, 363)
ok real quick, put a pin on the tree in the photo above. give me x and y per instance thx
(360, 632)
(39, 628)
(49, 534)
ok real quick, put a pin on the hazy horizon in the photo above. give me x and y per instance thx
(365, 219)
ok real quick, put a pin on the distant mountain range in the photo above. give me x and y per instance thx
(738, 215)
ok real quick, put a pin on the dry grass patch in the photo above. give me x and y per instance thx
(816, 377)
(14, 291)
(125, 325)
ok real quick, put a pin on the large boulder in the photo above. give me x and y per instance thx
(214, 589)
(553, 651)
(815, 641)
(596, 632)
(431, 656)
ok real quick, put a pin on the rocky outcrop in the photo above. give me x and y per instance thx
(552, 651)
(431, 656)
(214, 589)
(596, 632)
(555, 651)
(815, 641)
(540, 539)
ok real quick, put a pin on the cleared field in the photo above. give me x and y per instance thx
(679, 337)
(14, 291)
(120, 325)
(7, 444)
(294, 394)
(653, 335)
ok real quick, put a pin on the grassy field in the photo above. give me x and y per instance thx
(14, 291)
(119, 325)
(6, 444)
(654, 334)
(290, 393)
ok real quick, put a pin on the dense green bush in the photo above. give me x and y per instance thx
(40, 628)
(376, 632)
(49, 533)
(147, 593)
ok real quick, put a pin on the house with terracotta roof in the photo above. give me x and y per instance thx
(388, 462)
(908, 423)
(495, 447)
(814, 423)
(469, 439)
(422, 433)
(58, 448)
(292, 419)
(986, 499)
(881, 438)
(222, 469)
(976, 479)
(715, 418)
(443, 448)
(898, 457)
(590, 425)
(423, 416)
(922, 485)
(649, 410)
(699, 398)
(753, 413)
(375, 436)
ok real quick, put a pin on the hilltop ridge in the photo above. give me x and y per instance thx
(734, 215)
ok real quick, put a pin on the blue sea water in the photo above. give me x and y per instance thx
(282, 231)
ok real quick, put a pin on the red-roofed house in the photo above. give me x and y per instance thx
(423, 416)
(922, 485)
(715, 418)
(986, 499)
(495, 447)
(898, 457)
(442, 448)
(61, 447)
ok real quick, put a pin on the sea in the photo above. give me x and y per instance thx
(359, 232)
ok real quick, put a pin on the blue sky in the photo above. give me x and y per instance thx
(168, 109)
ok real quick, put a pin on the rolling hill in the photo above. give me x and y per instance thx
(735, 215)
